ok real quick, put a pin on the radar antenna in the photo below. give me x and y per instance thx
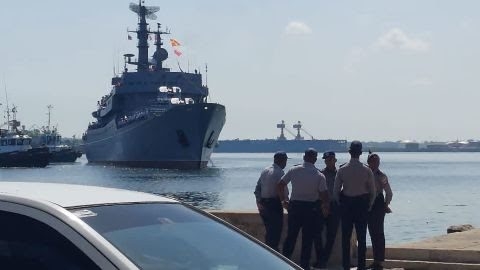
(143, 13)
(148, 12)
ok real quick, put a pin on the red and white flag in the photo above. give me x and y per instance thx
(177, 52)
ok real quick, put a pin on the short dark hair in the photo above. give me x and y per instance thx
(372, 156)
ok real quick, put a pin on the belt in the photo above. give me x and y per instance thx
(270, 200)
(297, 202)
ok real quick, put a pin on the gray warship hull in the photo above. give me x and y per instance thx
(183, 137)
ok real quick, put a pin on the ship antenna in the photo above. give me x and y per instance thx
(179, 67)
(206, 75)
(6, 100)
(49, 107)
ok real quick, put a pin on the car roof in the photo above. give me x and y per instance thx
(71, 195)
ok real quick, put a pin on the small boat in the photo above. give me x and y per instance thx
(50, 138)
(16, 149)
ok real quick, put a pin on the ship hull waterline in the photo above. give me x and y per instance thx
(183, 137)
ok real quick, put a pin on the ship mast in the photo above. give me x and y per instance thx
(49, 107)
(144, 13)
(160, 53)
(298, 126)
(8, 108)
(281, 126)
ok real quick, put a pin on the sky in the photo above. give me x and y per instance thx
(366, 70)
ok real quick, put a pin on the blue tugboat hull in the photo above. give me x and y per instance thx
(183, 137)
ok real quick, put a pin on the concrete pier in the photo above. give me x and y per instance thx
(459, 250)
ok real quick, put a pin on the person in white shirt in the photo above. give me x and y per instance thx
(354, 190)
(268, 203)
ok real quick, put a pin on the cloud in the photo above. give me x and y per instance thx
(297, 28)
(395, 38)
(422, 81)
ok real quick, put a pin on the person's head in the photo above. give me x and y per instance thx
(373, 161)
(310, 155)
(280, 158)
(355, 149)
(329, 159)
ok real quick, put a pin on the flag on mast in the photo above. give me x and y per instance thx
(174, 42)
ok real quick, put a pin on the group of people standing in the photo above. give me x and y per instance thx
(319, 200)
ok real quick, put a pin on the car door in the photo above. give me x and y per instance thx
(33, 239)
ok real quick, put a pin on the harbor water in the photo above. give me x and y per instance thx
(431, 190)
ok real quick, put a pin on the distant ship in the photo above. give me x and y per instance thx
(154, 117)
(50, 137)
(297, 145)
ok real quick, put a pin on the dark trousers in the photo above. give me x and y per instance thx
(272, 216)
(354, 213)
(330, 223)
(376, 218)
(301, 215)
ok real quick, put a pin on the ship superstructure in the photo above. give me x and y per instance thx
(154, 117)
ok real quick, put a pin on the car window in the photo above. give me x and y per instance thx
(26, 243)
(175, 237)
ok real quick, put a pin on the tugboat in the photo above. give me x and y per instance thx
(16, 149)
(154, 117)
(50, 138)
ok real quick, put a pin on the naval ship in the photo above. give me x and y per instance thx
(297, 145)
(154, 117)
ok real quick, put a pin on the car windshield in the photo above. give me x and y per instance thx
(173, 236)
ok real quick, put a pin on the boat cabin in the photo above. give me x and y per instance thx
(12, 143)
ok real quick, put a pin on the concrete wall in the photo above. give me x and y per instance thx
(251, 223)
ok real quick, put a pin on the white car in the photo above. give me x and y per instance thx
(61, 226)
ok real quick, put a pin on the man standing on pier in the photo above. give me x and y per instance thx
(268, 203)
(308, 201)
(332, 220)
(354, 189)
